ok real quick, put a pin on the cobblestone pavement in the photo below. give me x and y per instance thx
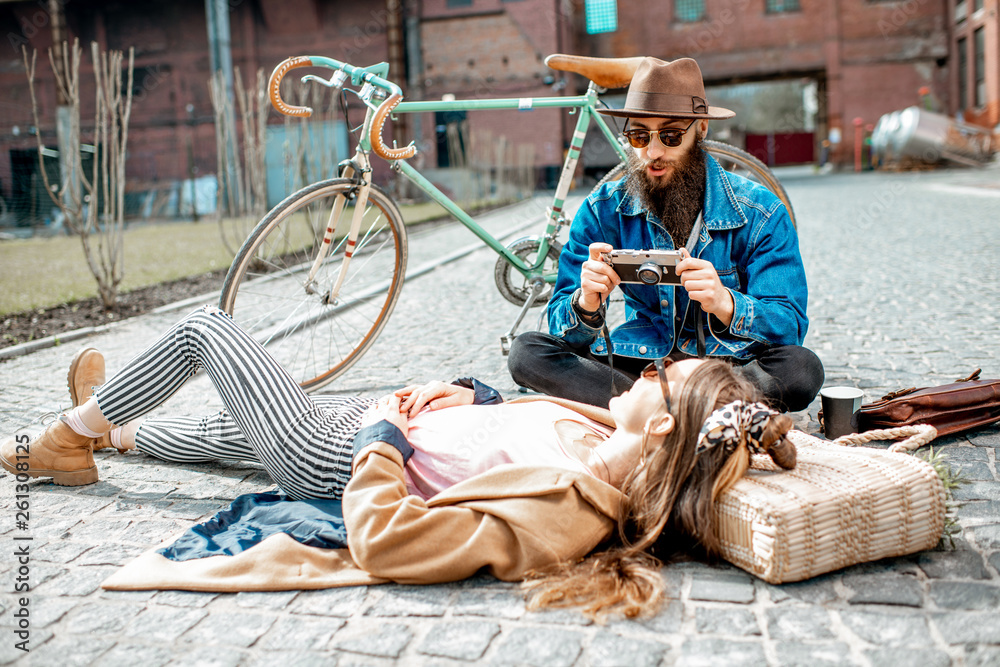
(904, 284)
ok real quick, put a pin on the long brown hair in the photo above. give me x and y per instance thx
(674, 493)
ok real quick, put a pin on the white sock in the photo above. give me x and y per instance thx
(116, 437)
(72, 419)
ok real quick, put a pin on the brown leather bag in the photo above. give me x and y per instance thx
(950, 408)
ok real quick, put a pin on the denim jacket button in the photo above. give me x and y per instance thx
(642, 349)
(600, 348)
(664, 303)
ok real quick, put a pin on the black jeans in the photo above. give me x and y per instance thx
(789, 376)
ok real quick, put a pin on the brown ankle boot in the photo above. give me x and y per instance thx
(59, 453)
(86, 371)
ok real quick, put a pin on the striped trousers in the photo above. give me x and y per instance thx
(304, 442)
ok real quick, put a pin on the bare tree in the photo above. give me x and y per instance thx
(93, 208)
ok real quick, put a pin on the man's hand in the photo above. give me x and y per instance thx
(597, 279)
(387, 408)
(701, 280)
(435, 395)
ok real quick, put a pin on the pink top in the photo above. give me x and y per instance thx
(454, 444)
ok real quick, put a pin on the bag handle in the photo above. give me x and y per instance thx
(916, 436)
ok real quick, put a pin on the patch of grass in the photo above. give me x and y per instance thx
(45, 272)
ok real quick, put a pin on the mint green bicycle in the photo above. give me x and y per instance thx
(318, 277)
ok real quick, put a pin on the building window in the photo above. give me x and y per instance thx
(602, 16)
(961, 11)
(689, 11)
(779, 6)
(977, 5)
(963, 73)
(980, 64)
(450, 4)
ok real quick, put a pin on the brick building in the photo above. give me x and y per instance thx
(866, 57)
(857, 58)
(975, 61)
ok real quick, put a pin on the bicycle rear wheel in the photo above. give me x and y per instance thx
(733, 160)
(267, 291)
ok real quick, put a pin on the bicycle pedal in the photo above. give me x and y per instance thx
(505, 343)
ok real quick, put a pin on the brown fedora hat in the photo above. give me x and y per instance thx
(661, 89)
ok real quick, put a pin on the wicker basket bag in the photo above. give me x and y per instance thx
(839, 506)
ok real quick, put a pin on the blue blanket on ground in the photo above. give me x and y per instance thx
(254, 517)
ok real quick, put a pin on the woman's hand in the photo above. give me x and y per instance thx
(388, 409)
(435, 395)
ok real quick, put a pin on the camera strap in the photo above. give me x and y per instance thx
(699, 314)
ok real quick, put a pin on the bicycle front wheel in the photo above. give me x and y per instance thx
(733, 160)
(314, 335)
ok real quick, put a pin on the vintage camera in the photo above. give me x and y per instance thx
(649, 267)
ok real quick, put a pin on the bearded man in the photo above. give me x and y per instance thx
(743, 287)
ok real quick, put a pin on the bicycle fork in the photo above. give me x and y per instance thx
(350, 244)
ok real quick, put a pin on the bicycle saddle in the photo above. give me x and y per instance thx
(605, 72)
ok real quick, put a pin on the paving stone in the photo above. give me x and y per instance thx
(184, 598)
(901, 657)
(808, 655)
(342, 602)
(163, 624)
(795, 623)
(722, 587)
(276, 600)
(714, 652)
(109, 554)
(190, 510)
(987, 537)
(979, 509)
(988, 436)
(978, 491)
(965, 595)
(70, 651)
(294, 633)
(130, 654)
(982, 656)
(888, 630)
(411, 601)
(539, 647)
(558, 616)
(375, 638)
(885, 589)
(211, 656)
(128, 596)
(994, 561)
(610, 650)
(301, 659)
(100, 531)
(961, 564)
(459, 640)
(101, 617)
(963, 454)
(732, 622)
(958, 627)
(230, 627)
(78, 582)
(502, 603)
(150, 532)
(667, 621)
(819, 590)
(61, 552)
(49, 611)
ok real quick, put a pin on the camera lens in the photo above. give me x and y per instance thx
(649, 273)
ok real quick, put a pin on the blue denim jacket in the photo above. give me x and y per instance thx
(747, 236)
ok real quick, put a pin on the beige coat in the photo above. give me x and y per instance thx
(510, 521)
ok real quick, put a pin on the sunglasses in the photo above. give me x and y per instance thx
(657, 370)
(670, 136)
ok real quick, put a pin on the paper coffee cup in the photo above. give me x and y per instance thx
(840, 410)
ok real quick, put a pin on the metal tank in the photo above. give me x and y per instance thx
(919, 135)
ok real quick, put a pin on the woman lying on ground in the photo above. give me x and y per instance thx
(426, 494)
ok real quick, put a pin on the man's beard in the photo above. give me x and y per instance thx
(675, 200)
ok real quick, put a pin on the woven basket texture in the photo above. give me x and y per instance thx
(839, 506)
